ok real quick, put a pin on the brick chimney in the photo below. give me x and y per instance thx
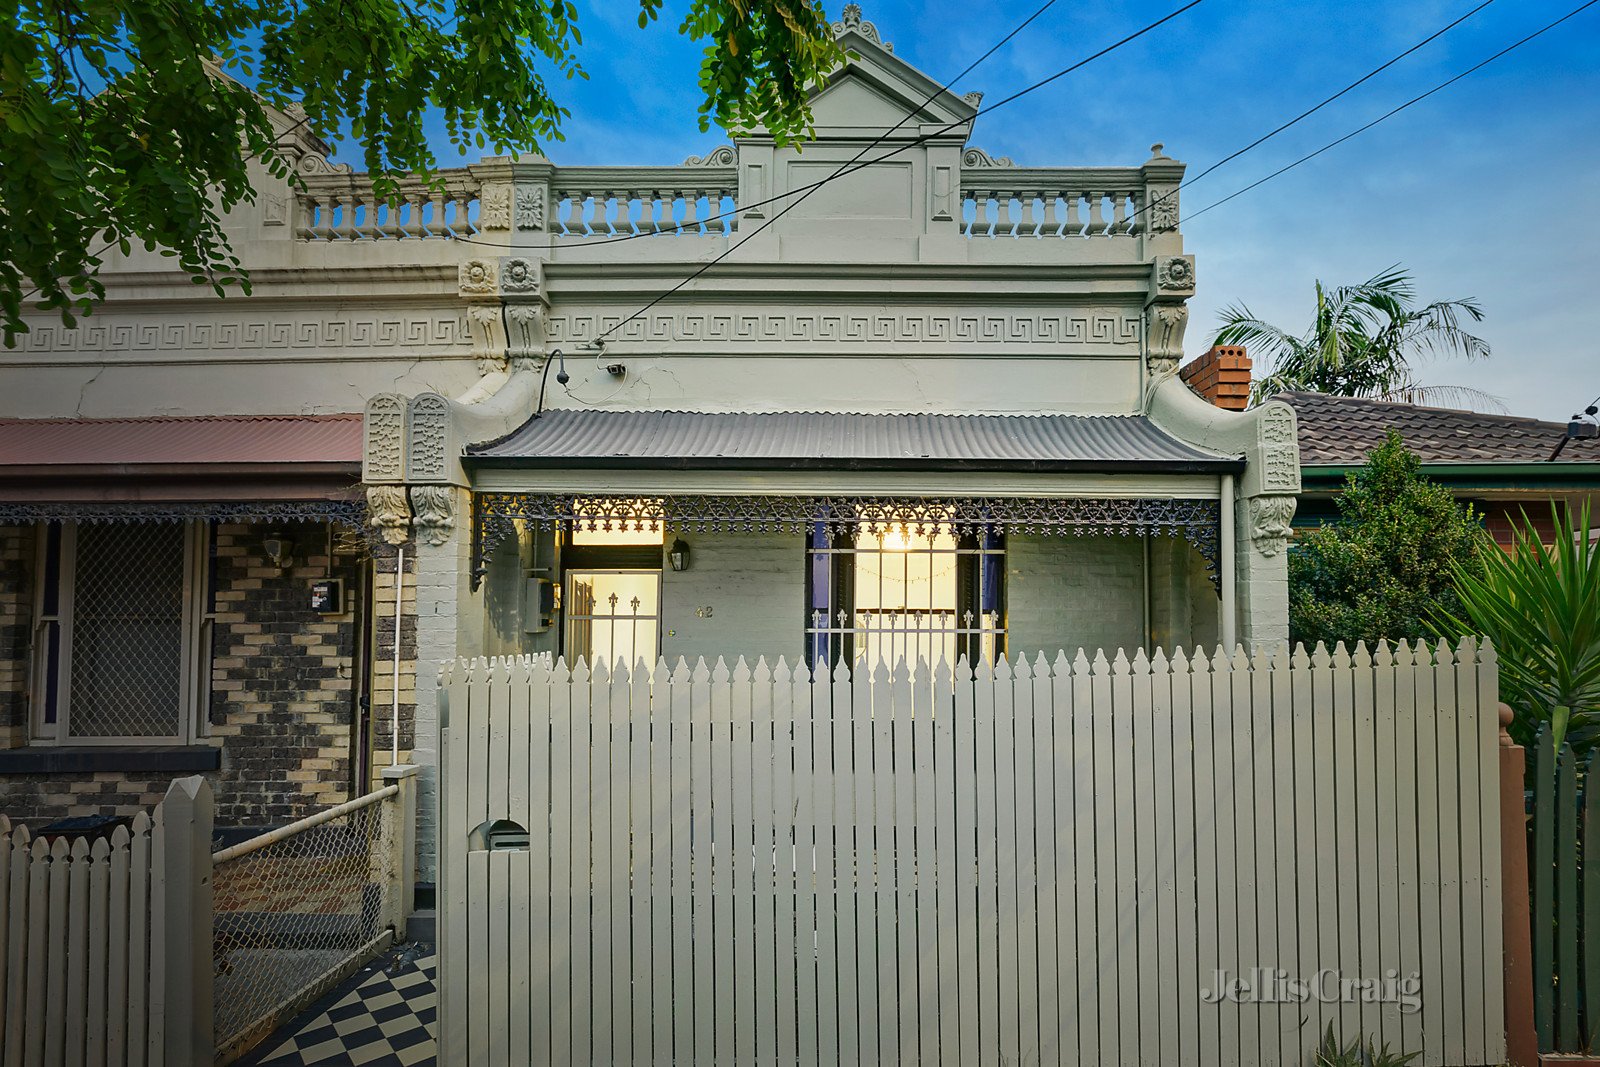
(1221, 376)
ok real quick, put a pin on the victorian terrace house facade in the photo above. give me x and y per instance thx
(931, 411)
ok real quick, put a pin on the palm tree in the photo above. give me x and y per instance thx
(1364, 342)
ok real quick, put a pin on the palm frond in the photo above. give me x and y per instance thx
(1444, 396)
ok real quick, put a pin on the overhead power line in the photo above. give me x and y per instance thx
(1396, 110)
(854, 164)
(1308, 112)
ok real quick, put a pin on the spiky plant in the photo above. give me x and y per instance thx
(1540, 605)
(1358, 1053)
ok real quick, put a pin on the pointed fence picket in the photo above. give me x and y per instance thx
(1196, 858)
(85, 980)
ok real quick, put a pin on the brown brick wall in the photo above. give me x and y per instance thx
(16, 626)
(282, 687)
(282, 679)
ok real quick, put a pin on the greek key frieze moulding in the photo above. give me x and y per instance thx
(113, 336)
(495, 517)
(1086, 328)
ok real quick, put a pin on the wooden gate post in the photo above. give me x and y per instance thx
(184, 865)
(1522, 1042)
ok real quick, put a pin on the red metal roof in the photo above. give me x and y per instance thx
(202, 440)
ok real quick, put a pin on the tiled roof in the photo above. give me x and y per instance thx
(1342, 430)
(834, 439)
(221, 439)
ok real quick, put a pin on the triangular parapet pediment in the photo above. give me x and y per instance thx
(877, 89)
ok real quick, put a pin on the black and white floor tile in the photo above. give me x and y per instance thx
(382, 1018)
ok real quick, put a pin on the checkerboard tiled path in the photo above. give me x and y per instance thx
(385, 1020)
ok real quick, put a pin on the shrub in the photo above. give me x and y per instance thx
(1540, 605)
(1387, 565)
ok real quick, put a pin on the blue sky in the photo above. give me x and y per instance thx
(1491, 189)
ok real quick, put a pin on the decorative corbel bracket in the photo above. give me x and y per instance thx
(1165, 321)
(389, 513)
(1271, 520)
(435, 510)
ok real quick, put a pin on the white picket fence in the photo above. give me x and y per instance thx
(105, 949)
(1045, 863)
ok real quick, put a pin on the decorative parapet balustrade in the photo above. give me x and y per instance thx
(702, 197)
(616, 201)
(1077, 202)
(344, 207)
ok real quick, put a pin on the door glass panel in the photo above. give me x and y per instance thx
(613, 615)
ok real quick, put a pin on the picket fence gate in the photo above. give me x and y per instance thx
(1034, 863)
(104, 948)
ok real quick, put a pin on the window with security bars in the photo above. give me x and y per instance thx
(118, 655)
(899, 592)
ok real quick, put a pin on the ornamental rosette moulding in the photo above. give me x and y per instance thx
(1175, 274)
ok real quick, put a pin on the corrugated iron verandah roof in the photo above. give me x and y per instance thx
(839, 440)
(1197, 521)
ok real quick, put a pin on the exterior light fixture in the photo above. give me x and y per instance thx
(678, 555)
(278, 548)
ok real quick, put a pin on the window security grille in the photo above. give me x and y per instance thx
(891, 594)
(118, 654)
(127, 631)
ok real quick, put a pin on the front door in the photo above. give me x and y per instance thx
(612, 615)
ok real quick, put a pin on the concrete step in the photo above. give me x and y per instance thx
(423, 925)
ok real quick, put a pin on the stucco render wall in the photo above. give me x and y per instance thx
(1072, 592)
(754, 588)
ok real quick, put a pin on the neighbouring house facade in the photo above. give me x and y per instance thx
(1506, 466)
(930, 411)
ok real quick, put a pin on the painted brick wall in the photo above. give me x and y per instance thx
(16, 624)
(754, 586)
(1184, 608)
(1067, 592)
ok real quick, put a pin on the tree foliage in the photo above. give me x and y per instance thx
(127, 121)
(1540, 605)
(1364, 340)
(1388, 564)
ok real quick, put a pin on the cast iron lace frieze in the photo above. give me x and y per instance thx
(352, 513)
(496, 515)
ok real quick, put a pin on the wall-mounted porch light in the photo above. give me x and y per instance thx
(278, 548)
(678, 555)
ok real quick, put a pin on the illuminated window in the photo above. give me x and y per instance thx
(900, 593)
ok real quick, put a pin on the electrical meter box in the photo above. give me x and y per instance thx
(327, 596)
(542, 601)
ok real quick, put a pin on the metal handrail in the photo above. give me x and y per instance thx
(271, 837)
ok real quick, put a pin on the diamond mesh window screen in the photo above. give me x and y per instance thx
(127, 631)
